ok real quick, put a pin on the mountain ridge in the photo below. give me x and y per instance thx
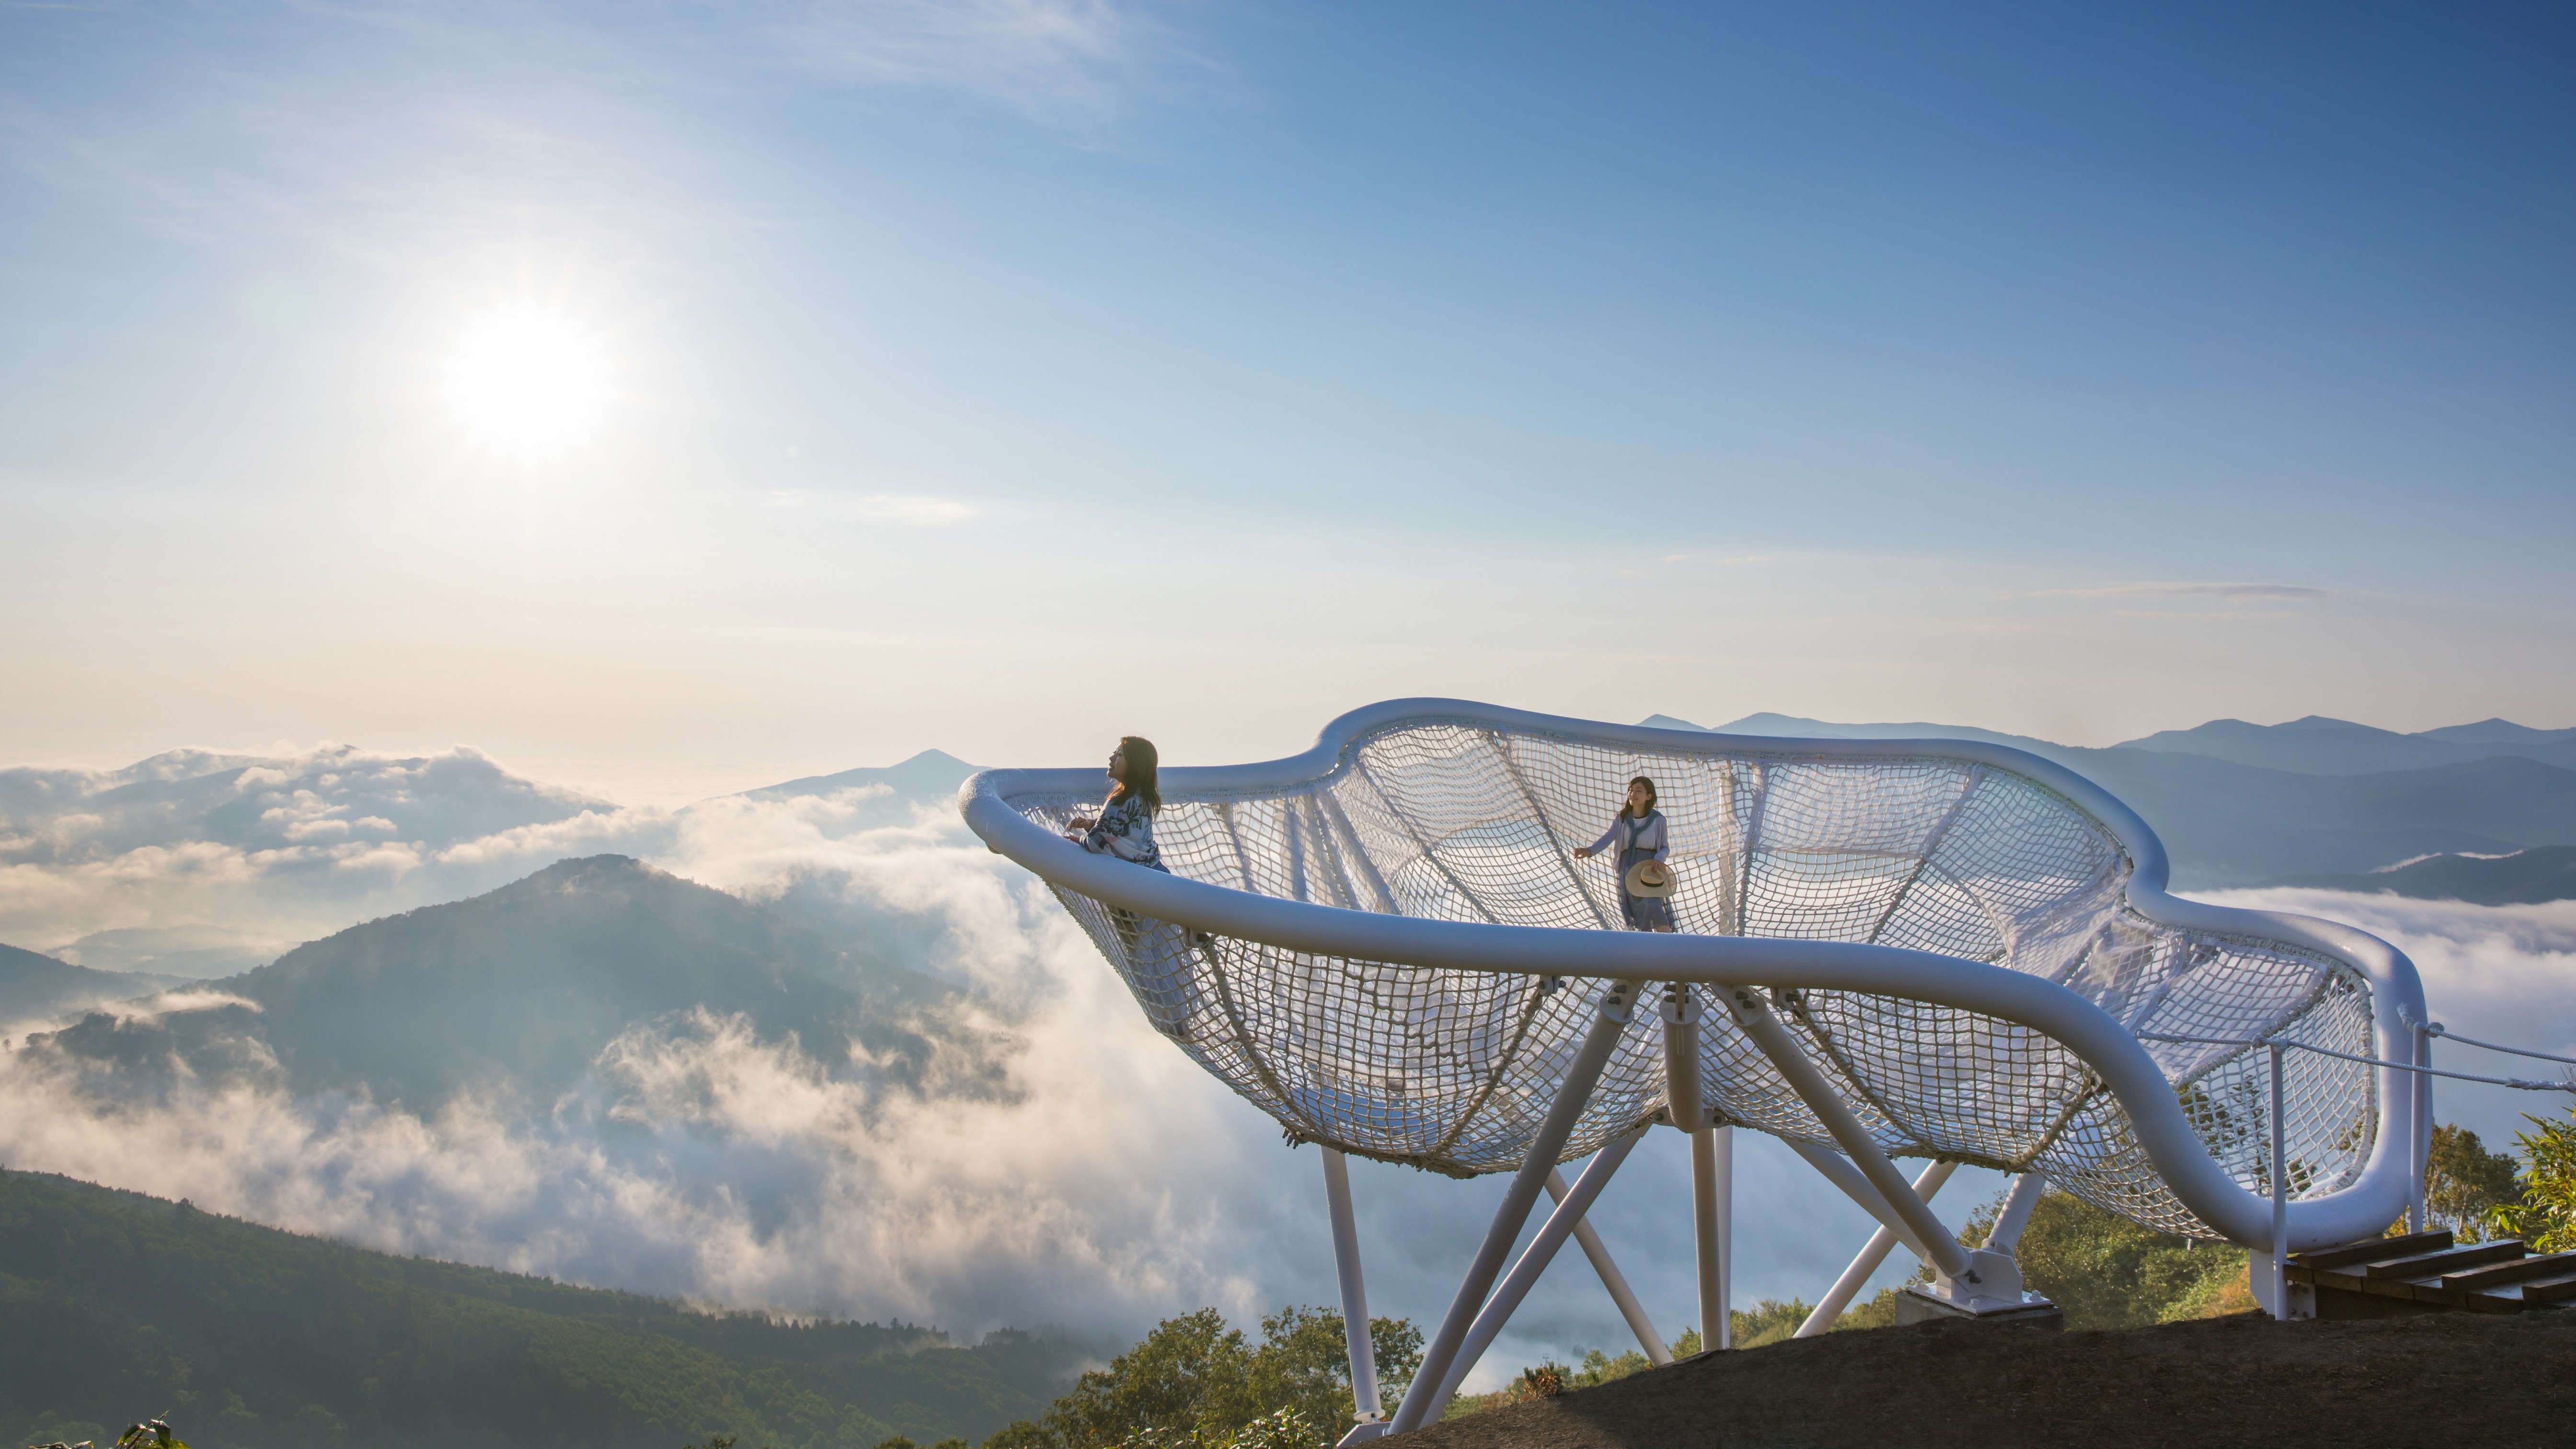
(33, 984)
(114, 1301)
(2228, 824)
(527, 984)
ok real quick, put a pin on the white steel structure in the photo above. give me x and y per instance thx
(1936, 949)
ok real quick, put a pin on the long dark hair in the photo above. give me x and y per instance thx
(1139, 779)
(1651, 797)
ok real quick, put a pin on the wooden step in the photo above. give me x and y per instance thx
(2426, 1273)
(2438, 1264)
(2544, 1265)
(2373, 1250)
(2550, 1290)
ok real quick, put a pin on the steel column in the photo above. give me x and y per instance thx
(1753, 1014)
(2419, 1131)
(1838, 1170)
(2027, 1189)
(1717, 1227)
(2280, 1201)
(1872, 1253)
(1365, 1407)
(1580, 1077)
(1533, 1261)
(1688, 1107)
(1614, 1280)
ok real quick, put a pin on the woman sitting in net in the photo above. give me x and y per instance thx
(1125, 828)
(1639, 829)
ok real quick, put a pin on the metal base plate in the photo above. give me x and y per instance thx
(1913, 1305)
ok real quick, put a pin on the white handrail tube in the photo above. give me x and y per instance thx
(2123, 1065)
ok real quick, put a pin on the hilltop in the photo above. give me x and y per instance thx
(516, 992)
(114, 1304)
(2459, 1380)
(36, 985)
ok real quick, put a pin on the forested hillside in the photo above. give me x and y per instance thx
(114, 1305)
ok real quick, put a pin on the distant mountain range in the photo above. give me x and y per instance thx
(35, 986)
(208, 864)
(925, 777)
(2238, 804)
(515, 994)
(2526, 877)
(314, 840)
(113, 1303)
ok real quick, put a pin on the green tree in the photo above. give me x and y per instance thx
(2464, 1184)
(1303, 1363)
(1195, 1381)
(1769, 1321)
(1185, 1376)
(2545, 1214)
(1597, 1368)
(2104, 1271)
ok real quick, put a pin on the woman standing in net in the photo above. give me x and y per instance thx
(1639, 830)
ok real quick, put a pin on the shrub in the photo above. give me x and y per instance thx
(2545, 1214)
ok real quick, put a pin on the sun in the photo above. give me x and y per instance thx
(529, 379)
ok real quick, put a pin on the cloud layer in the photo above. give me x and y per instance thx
(1112, 1184)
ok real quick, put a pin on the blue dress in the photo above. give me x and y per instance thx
(1639, 840)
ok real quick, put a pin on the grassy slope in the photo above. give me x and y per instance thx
(114, 1305)
(2104, 1271)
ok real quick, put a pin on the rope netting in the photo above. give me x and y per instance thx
(1454, 1070)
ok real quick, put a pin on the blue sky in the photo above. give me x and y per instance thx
(1006, 376)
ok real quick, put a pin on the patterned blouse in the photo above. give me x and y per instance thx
(1126, 830)
(1635, 834)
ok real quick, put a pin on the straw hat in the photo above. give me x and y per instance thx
(1650, 878)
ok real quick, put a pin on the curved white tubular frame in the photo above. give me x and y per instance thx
(2363, 1207)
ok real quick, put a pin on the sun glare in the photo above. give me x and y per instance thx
(529, 380)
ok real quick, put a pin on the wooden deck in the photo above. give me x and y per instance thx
(2429, 1273)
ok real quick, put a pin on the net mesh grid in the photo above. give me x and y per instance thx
(1453, 1071)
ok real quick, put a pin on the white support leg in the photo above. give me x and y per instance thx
(1581, 1075)
(1614, 1280)
(2027, 1189)
(1688, 1107)
(1873, 1253)
(1838, 1170)
(1976, 1282)
(2420, 1110)
(2280, 1254)
(1533, 1261)
(1721, 1233)
(1366, 1411)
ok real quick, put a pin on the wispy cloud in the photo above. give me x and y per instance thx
(1048, 59)
(404, 131)
(918, 509)
(2232, 593)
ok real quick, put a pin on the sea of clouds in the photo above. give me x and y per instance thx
(1111, 1185)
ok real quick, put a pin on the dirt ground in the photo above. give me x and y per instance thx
(2453, 1380)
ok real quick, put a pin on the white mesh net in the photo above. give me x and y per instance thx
(1453, 1070)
